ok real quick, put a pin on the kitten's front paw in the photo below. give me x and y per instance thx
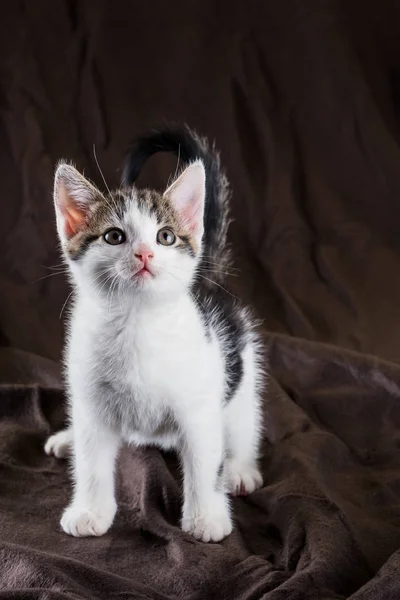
(242, 479)
(81, 522)
(212, 525)
(59, 444)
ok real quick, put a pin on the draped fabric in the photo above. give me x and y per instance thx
(302, 98)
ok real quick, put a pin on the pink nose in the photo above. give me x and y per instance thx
(144, 254)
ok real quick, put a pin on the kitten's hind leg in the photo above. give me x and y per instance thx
(60, 444)
(243, 430)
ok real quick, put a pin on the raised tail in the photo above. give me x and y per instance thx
(188, 146)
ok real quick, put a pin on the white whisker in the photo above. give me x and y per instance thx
(65, 303)
(50, 275)
(220, 286)
(100, 171)
(177, 162)
(209, 280)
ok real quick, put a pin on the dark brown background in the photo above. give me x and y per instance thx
(302, 97)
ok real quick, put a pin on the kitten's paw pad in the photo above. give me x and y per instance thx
(59, 444)
(242, 479)
(210, 527)
(83, 523)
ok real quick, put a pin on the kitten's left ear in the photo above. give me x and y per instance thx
(187, 195)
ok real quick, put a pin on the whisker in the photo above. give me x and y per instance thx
(194, 298)
(116, 289)
(100, 171)
(54, 267)
(213, 262)
(65, 303)
(177, 162)
(111, 291)
(198, 270)
(210, 262)
(50, 275)
(209, 280)
(112, 206)
(220, 286)
(121, 288)
(106, 280)
(101, 273)
(217, 272)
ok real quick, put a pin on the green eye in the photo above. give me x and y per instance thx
(166, 237)
(114, 237)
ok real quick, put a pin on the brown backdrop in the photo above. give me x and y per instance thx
(302, 97)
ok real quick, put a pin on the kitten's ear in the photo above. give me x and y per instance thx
(187, 195)
(74, 197)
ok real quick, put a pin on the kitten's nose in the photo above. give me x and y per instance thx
(144, 254)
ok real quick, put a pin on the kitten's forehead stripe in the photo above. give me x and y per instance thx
(119, 203)
(106, 211)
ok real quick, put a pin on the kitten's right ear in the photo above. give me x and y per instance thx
(74, 198)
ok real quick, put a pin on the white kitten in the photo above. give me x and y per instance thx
(157, 354)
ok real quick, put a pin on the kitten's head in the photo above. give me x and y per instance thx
(131, 241)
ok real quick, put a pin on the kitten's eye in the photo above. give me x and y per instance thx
(166, 237)
(114, 237)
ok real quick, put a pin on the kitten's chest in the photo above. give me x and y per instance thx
(146, 357)
(144, 368)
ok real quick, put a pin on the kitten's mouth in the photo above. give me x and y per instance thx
(143, 272)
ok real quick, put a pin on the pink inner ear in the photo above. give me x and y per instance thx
(187, 197)
(75, 219)
(73, 214)
(192, 218)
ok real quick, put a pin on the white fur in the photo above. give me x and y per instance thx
(141, 370)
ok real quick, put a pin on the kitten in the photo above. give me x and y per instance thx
(158, 353)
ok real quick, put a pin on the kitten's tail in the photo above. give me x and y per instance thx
(188, 146)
